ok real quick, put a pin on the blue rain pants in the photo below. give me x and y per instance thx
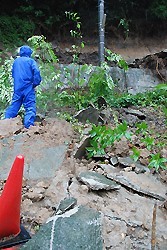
(27, 98)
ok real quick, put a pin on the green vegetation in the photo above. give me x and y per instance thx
(157, 162)
(48, 17)
(103, 139)
(52, 94)
(5, 83)
(15, 30)
(136, 154)
(151, 98)
(159, 8)
(76, 34)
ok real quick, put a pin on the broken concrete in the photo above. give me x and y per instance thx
(96, 181)
(40, 161)
(140, 184)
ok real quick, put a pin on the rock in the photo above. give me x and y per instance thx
(163, 175)
(66, 204)
(36, 195)
(125, 161)
(114, 160)
(121, 147)
(96, 181)
(135, 112)
(144, 161)
(164, 205)
(39, 118)
(130, 119)
(108, 168)
(144, 153)
(101, 102)
(162, 245)
(106, 115)
(41, 160)
(78, 228)
(101, 158)
(139, 168)
(90, 114)
(128, 169)
(81, 148)
(164, 152)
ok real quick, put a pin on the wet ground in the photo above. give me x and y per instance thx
(52, 173)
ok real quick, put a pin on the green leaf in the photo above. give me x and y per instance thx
(136, 154)
(157, 162)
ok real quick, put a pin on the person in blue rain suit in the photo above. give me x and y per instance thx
(26, 77)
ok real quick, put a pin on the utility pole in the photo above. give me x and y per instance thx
(101, 22)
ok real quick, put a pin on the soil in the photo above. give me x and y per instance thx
(39, 197)
(129, 48)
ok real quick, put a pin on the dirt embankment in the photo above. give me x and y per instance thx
(129, 48)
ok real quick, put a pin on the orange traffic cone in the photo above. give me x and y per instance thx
(10, 200)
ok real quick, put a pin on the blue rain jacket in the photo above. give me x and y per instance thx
(25, 71)
(26, 77)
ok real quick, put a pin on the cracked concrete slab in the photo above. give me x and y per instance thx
(41, 161)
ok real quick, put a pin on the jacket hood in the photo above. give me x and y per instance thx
(25, 51)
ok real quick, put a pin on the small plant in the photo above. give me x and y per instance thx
(47, 91)
(136, 154)
(122, 130)
(164, 109)
(76, 48)
(149, 142)
(114, 57)
(150, 98)
(42, 49)
(101, 82)
(76, 33)
(157, 162)
(162, 86)
(141, 128)
(103, 137)
(125, 24)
